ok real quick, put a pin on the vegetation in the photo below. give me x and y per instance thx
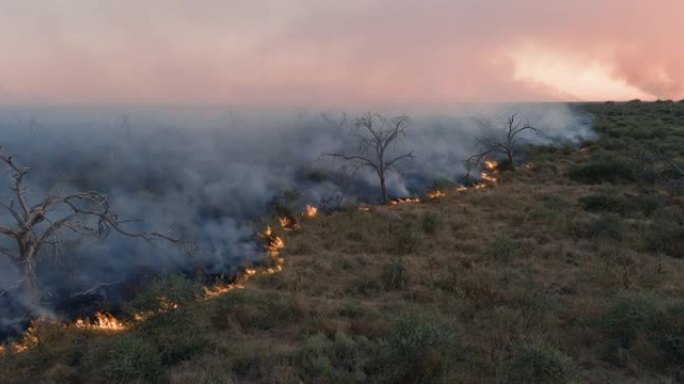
(564, 272)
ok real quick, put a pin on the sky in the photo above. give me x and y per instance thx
(331, 52)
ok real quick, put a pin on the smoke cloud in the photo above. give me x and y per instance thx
(207, 174)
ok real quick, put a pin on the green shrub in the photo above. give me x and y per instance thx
(442, 185)
(604, 171)
(166, 292)
(177, 335)
(628, 316)
(431, 223)
(251, 310)
(406, 237)
(603, 202)
(607, 226)
(127, 359)
(285, 203)
(336, 360)
(503, 248)
(420, 350)
(539, 363)
(394, 276)
(666, 233)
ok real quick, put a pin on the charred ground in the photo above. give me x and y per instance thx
(568, 270)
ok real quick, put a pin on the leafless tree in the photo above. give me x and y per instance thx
(36, 226)
(375, 134)
(506, 145)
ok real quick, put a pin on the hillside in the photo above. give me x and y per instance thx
(568, 270)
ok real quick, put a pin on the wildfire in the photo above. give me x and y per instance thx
(28, 341)
(103, 322)
(435, 194)
(491, 164)
(310, 211)
(287, 223)
(487, 177)
(407, 200)
(220, 289)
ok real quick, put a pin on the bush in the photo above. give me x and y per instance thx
(128, 359)
(604, 171)
(394, 275)
(250, 310)
(539, 363)
(336, 360)
(406, 237)
(603, 202)
(420, 350)
(628, 316)
(503, 248)
(164, 293)
(284, 204)
(431, 223)
(607, 226)
(666, 233)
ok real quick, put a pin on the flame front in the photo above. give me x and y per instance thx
(407, 200)
(103, 322)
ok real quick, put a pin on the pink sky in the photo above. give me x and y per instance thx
(339, 52)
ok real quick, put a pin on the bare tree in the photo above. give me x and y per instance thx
(36, 226)
(375, 134)
(506, 145)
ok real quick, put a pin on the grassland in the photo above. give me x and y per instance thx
(568, 270)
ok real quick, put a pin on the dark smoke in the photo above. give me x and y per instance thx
(207, 174)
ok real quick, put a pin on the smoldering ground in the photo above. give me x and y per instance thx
(206, 175)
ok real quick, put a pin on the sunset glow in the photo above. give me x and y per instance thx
(354, 52)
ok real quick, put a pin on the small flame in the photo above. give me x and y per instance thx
(487, 177)
(310, 211)
(408, 200)
(435, 194)
(491, 164)
(221, 289)
(287, 223)
(103, 322)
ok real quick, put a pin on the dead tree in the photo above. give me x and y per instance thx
(375, 135)
(506, 145)
(36, 226)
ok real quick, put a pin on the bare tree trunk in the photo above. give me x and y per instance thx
(28, 288)
(510, 159)
(383, 188)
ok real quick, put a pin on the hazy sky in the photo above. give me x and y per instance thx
(311, 52)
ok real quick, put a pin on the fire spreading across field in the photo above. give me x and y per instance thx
(108, 323)
(488, 176)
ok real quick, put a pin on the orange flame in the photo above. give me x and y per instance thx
(103, 322)
(29, 340)
(435, 194)
(407, 200)
(310, 211)
(287, 223)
